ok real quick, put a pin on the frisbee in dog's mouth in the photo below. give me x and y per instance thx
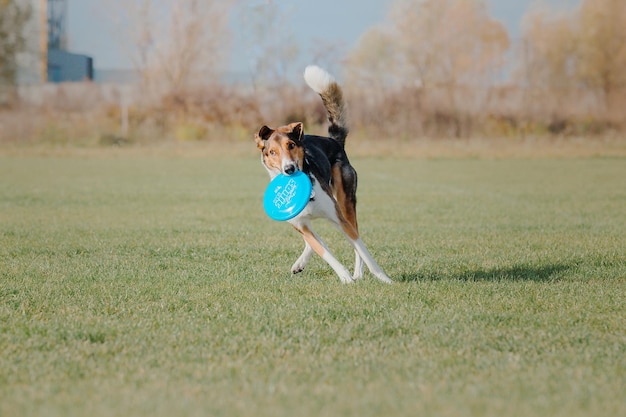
(287, 195)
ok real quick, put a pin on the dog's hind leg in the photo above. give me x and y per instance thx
(358, 266)
(303, 260)
(361, 251)
(319, 247)
(376, 270)
(344, 185)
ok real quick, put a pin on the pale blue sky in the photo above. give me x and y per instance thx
(93, 33)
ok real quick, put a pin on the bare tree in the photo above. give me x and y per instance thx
(372, 62)
(549, 47)
(177, 44)
(14, 15)
(547, 73)
(328, 54)
(441, 41)
(452, 46)
(570, 56)
(272, 46)
(601, 52)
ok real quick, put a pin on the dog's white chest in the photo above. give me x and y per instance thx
(320, 206)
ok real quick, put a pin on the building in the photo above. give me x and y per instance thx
(47, 58)
(65, 66)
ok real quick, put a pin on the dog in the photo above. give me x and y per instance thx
(287, 150)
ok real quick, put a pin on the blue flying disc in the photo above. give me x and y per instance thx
(287, 195)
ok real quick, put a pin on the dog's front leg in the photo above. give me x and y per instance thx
(314, 241)
(303, 260)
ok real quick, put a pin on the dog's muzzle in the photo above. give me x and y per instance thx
(290, 169)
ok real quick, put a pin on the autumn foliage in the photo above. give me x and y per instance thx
(433, 68)
(446, 68)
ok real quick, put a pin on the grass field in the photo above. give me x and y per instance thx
(155, 286)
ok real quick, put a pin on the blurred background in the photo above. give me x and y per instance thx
(116, 72)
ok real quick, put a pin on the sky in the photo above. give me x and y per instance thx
(94, 31)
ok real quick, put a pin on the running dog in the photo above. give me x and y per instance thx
(287, 150)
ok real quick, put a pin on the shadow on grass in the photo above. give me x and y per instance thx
(536, 273)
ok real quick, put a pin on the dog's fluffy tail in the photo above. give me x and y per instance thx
(329, 90)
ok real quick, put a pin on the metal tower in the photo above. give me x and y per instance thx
(56, 19)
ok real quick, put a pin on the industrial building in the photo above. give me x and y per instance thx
(47, 58)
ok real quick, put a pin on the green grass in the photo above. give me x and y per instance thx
(153, 286)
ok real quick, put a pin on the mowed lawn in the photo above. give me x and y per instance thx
(156, 286)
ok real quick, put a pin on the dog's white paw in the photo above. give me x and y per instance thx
(347, 280)
(346, 277)
(298, 267)
(383, 277)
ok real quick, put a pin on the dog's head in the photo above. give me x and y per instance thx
(281, 148)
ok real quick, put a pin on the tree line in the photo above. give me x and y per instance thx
(431, 68)
(457, 65)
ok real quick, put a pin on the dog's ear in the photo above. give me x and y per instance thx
(263, 135)
(297, 131)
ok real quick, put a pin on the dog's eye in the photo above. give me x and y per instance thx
(273, 152)
(291, 145)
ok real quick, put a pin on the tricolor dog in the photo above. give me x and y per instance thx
(287, 150)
